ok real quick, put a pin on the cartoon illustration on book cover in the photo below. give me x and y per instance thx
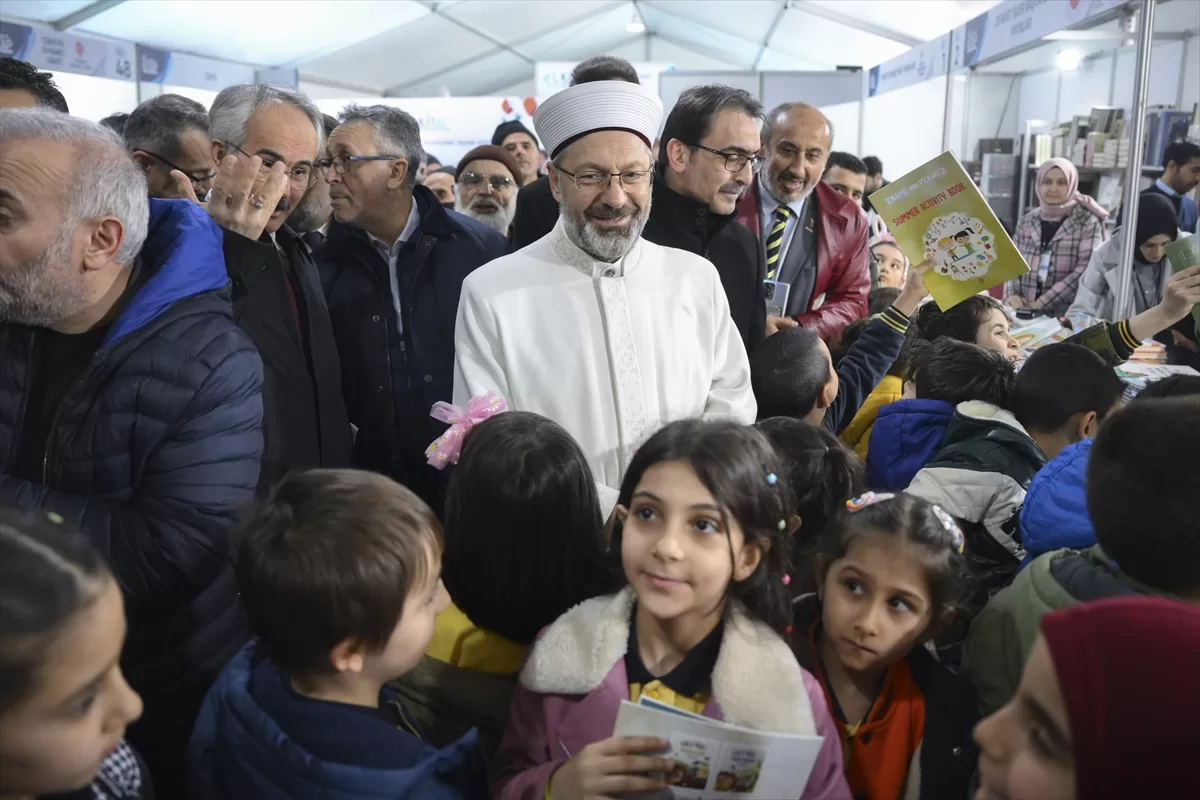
(960, 246)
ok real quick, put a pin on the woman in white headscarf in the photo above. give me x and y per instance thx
(1056, 239)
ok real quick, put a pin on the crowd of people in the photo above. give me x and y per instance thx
(329, 470)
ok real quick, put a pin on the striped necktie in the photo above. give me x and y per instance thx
(775, 240)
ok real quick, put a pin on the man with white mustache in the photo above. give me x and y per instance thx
(814, 239)
(485, 188)
(603, 332)
(708, 156)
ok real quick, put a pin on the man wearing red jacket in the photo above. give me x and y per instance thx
(814, 239)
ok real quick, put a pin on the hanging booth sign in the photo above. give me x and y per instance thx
(1015, 23)
(57, 51)
(923, 62)
(184, 69)
(554, 76)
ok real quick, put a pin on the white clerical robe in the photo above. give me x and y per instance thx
(611, 352)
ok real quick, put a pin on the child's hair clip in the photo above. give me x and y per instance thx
(787, 579)
(864, 500)
(55, 517)
(956, 535)
(447, 447)
(772, 479)
(783, 524)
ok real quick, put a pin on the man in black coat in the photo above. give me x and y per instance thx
(537, 210)
(130, 403)
(392, 272)
(707, 158)
(265, 139)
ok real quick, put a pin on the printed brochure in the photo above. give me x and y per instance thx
(718, 761)
(1182, 253)
(937, 214)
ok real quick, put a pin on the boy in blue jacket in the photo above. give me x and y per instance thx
(793, 375)
(340, 574)
(941, 374)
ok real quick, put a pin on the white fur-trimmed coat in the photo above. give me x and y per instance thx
(574, 680)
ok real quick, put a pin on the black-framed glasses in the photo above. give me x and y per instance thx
(199, 181)
(735, 162)
(630, 179)
(497, 182)
(342, 163)
(301, 176)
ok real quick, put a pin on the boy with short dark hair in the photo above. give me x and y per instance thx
(340, 574)
(793, 375)
(1063, 393)
(1142, 486)
(942, 374)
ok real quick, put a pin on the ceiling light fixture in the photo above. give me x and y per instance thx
(635, 24)
(1068, 60)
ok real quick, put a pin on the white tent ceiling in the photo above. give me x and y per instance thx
(479, 47)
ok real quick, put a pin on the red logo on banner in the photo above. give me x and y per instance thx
(79, 48)
(1074, 4)
(506, 106)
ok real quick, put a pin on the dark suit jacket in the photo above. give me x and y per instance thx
(537, 213)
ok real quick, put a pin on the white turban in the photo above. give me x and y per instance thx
(597, 106)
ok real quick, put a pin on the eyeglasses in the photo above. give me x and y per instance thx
(198, 181)
(630, 179)
(474, 179)
(301, 176)
(340, 164)
(735, 162)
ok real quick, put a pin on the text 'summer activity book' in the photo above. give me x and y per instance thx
(938, 214)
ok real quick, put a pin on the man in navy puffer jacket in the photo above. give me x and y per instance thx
(130, 402)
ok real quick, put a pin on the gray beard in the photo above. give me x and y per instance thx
(309, 216)
(608, 246)
(499, 221)
(45, 290)
(783, 201)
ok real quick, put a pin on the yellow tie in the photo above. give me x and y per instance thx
(775, 240)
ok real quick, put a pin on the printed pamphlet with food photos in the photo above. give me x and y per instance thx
(937, 214)
(715, 760)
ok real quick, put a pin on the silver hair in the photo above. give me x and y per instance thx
(157, 125)
(233, 107)
(106, 182)
(396, 134)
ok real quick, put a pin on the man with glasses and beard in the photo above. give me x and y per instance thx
(486, 187)
(265, 139)
(605, 333)
(170, 133)
(708, 155)
(312, 215)
(392, 270)
(814, 239)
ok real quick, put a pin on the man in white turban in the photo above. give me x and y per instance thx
(592, 326)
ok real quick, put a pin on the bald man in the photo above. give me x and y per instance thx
(814, 239)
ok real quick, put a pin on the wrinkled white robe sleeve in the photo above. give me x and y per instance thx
(477, 366)
(730, 395)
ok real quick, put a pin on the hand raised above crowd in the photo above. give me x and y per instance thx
(914, 290)
(243, 195)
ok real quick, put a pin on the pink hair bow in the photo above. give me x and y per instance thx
(447, 447)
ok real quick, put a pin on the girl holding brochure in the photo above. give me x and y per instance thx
(701, 534)
(889, 572)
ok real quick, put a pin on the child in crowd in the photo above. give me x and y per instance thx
(821, 472)
(1142, 486)
(340, 574)
(889, 577)
(979, 319)
(879, 300)
(987, 459)
(889, 261)
(1106, 708)
(524, 543)
(792, 372)
(701, 531)
(908, 433)
(64, 704)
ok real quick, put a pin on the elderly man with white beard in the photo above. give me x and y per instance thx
(592, 326)
(486, 187)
